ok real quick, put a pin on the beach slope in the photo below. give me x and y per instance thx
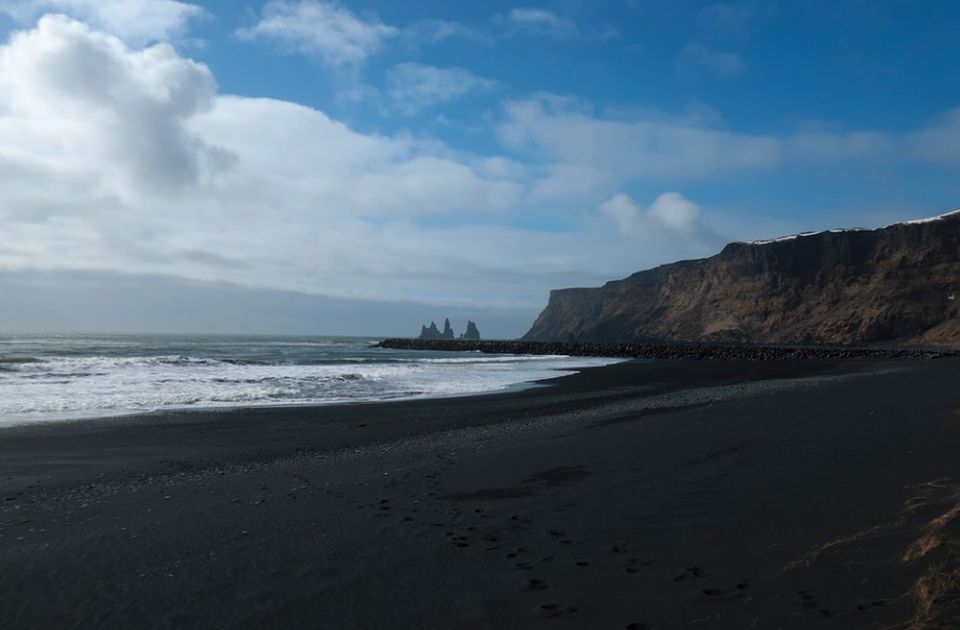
(664, 494)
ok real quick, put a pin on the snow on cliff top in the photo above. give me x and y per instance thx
(803, 234)
(930, 219)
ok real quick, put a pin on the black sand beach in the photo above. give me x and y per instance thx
(786, 494)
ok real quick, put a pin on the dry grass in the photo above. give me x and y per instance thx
(927, 494)
(922, 547)
(937, 591)
(935, 588)
(932, 537)
(810, 558)
(935, 551)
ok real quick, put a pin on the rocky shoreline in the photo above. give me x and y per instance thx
(669, 351)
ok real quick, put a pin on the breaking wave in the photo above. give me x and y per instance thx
(93, 376)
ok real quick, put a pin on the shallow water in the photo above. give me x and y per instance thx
(55, 376)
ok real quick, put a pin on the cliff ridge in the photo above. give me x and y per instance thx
(894, 284)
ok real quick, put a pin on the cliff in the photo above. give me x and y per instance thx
(894, 284)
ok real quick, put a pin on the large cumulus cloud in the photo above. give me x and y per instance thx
(81, 103)
(121, 158)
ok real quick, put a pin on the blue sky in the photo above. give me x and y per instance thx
(468, 155)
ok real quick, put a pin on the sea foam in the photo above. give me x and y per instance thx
(106, 376)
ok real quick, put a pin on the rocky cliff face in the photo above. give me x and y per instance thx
(900, 283)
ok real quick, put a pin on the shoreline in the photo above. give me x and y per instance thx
(673, 351)
(527, 375)
(122, 415)
(592, 379)
(595, 501)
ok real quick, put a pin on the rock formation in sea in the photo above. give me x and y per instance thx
(472, 333)
(894, 284)
(430, 332)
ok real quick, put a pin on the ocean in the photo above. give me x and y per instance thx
(46, 377)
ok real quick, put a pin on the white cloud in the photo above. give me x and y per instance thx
(432, 31)
(114, 157)
(538, 22)
(325, 31)
(587, 154)
(131, 179)
(330, 171)
(83, 104)
(676, 212)
(583, 154)
(137, 22)
(720, 61)
(415, 86)
(670, 211)
(939, 143)
(726, 20)
(820, 145)
(110, 158)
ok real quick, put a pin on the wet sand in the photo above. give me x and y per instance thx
(787, 494)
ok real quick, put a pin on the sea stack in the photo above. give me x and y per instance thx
(430, 332)
(472, 333)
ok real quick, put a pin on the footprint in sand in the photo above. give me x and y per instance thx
(691, 572)
(557, 610)
(871, 605)
(724, 594)
(534, 584)
(633, 565)
(807, 599)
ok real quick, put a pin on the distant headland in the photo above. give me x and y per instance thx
(432, 332)
(896, 284)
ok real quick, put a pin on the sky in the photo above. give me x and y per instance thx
(362, 167)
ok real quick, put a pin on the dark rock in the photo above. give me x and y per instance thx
(894, 284)
(472, 333)
(742, 352)
(430, 332)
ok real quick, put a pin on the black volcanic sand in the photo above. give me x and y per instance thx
(641, 495)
